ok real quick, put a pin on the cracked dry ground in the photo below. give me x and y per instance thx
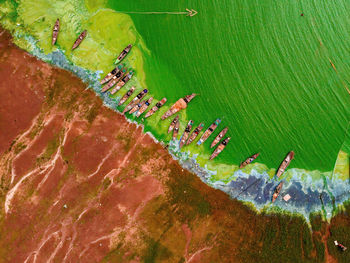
(81, 184)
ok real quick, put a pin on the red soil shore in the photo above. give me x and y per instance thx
(81, 184)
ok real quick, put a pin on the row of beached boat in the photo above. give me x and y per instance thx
(118, 77)
(188, 137)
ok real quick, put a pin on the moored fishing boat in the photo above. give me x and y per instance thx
(114, 80)
(56, 29)
(135, 100)
(111, 74)
(220, 148)
(179, 105)
(172, 124)
(219, 137)
(137, 106)
(195, 133)
(144, 107)
(79, 39)
(277, 191)
(123, 54)
(285, 163)
(209, 131)
(186, 133)
(249, 160)
(158, 105)
(176, 130)
(126, 95)
(122, 82)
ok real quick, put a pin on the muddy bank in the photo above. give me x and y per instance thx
(81, 184)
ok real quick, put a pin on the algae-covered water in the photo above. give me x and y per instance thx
(275, 73)
(261, 67)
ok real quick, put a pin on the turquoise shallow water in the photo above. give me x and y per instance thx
(261, 67)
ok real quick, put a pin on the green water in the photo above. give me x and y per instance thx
(260, 66)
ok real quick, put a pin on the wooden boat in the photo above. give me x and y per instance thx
(144, 107)
(219, 137)
(115, 79)
(123, 54)
(277, 191)
(56, 29)
(179, 105)
(79, 39)
(176, 130)
(249, 160)
(220, 148)
(135, 100)
(186, 133)
(209, 131)
(122, 82)
(172, 124)
(111, 74)
(155, 108)
(285, 163)
(195, 133)
(137, 106)
(126, 95)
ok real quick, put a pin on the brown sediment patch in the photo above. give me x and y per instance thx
(90, 187)
(21, 98)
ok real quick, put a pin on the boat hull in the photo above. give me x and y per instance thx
(249, 160)
(122, 82)
(156, 108)
(195, 133)
(55, 32)
(209, 131)
(80, 39)
(277, 191)
(220, 148)
(285, 164)
(186, 133)
(126, 96)
(144, 107)
(123, 54)
(173, 123)
(219, 137)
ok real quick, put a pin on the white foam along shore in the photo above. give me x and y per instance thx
(256, 188)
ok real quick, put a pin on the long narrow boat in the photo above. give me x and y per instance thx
(122, 82)
(277, 191)
(176, 130)
(155, 107)
(285, 163)
(115, 79)
(135, 100)
(172, 124)
(137, 106)
(126, 95)
(144, 107)
(220, 148)
(111, 74)
(249, 160)
(123, 54)
(195, 133)
(186, 133)
(56, 29)
(79, 39)
(219, 137)
(209, 131)
(179, 105)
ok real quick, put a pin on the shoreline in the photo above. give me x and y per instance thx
(240, 180)
(225, 177)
